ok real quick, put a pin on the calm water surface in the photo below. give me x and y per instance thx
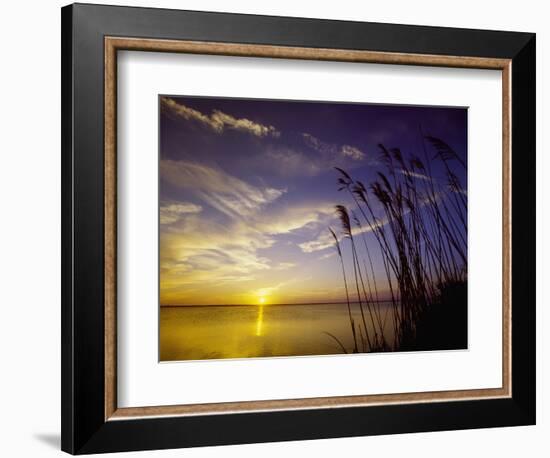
(248, 331)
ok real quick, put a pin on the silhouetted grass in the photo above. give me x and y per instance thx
(420, 228)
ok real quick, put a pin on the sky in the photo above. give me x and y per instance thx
(248, 191)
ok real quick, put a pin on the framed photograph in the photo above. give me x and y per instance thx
(281, 228)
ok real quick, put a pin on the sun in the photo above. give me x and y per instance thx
(261, 300)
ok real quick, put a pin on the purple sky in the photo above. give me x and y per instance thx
(248, 189)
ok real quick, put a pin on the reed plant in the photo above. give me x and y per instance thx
(419, 224)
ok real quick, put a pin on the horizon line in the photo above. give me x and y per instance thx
(281, 303)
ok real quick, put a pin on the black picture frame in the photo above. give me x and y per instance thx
(84, 428)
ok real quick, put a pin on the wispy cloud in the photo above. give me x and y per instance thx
(289, 161)
(218, 121)
(321, 242)
(327, 256)
(293, 218)
(324, 240)
(353, 152)
(200, 251)
(331, 149)
(306, 157)
(417, 175)
(319, 145)
(174, 211)
(226, 193)
(285, 265)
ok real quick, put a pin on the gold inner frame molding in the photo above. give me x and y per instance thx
(114, 44)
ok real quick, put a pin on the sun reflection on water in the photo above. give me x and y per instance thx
(260, 319)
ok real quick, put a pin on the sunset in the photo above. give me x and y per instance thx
(248, 196)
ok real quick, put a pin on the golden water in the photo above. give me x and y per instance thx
(248, 331)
